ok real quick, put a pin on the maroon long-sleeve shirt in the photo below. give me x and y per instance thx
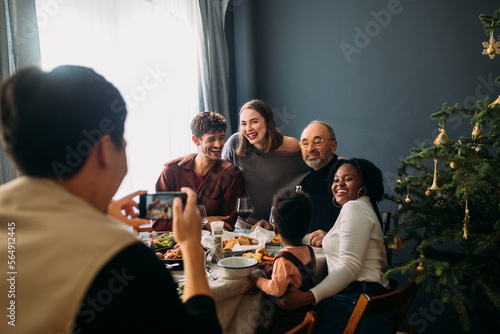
(217, 190)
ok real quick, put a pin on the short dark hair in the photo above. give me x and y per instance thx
(51, 120)
(292, 212)
(371, 174)
(207, 122)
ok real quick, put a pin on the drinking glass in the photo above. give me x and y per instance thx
(271, 221)
(271, 218)
(203, 214)
(244, 208)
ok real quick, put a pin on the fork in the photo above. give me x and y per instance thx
(211, 275)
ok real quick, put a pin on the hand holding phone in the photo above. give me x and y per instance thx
(159, 206)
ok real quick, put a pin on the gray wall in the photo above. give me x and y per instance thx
(402, 61)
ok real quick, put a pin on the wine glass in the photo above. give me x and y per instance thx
(203, 214)
(244, 208)
(271, 221)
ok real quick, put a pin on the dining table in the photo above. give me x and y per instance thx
(238, 312)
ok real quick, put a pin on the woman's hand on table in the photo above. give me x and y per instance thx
(295, 298)
(264, 224)
(127, 204)
(316, 238)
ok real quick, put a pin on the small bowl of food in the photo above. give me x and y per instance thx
(237, 267)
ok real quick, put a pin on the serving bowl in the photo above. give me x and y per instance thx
(237, 267)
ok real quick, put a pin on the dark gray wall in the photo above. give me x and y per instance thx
(401, 61)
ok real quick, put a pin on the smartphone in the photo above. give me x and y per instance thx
(159, 206)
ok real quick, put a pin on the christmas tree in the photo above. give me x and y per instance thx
(449, 207)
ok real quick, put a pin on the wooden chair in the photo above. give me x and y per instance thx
(400, 300)
(307, 326)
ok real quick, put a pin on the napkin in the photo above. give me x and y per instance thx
(261, 232)
(208, 242)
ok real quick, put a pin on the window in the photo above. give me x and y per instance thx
(148, 50)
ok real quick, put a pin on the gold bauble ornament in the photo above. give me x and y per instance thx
(428, 192)
(399, 181)
(420, 265)
(453, 165)
(476, 131)
(407, 199)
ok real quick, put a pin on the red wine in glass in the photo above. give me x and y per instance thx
(244, 214)
(244, 208)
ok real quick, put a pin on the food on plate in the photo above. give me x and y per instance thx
(238, 240)
(276, 239)
(261, 255)
(164, 241)
(171, 254)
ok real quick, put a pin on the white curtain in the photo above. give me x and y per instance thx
(148, 50)
(18, 48)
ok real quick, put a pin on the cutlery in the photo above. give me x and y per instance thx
(211, 274)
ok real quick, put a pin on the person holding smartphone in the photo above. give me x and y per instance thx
(77, 269)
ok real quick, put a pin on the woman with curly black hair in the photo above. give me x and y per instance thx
(355, 252)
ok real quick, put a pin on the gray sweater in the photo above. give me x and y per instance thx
(265, 173)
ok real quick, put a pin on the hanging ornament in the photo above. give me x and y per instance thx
(453, 165)
(465, 229)
(476, 131)
(491, 48)
(420, 265)
(428, 192)
(397, 244)
(434, 185)
(399, 181)
(443, 136)
(407, 199)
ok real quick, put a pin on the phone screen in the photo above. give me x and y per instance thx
(158, 206)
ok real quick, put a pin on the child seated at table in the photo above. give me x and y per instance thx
(295, 265)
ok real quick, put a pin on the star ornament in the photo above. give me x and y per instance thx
(491, 48)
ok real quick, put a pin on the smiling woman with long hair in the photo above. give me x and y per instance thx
(268, 160)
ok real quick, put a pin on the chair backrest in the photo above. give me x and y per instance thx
(386, 221)
(367, 306)
(307, 326)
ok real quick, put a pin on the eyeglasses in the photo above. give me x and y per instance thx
(316, 143)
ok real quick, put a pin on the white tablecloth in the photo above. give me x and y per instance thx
(239, 313)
